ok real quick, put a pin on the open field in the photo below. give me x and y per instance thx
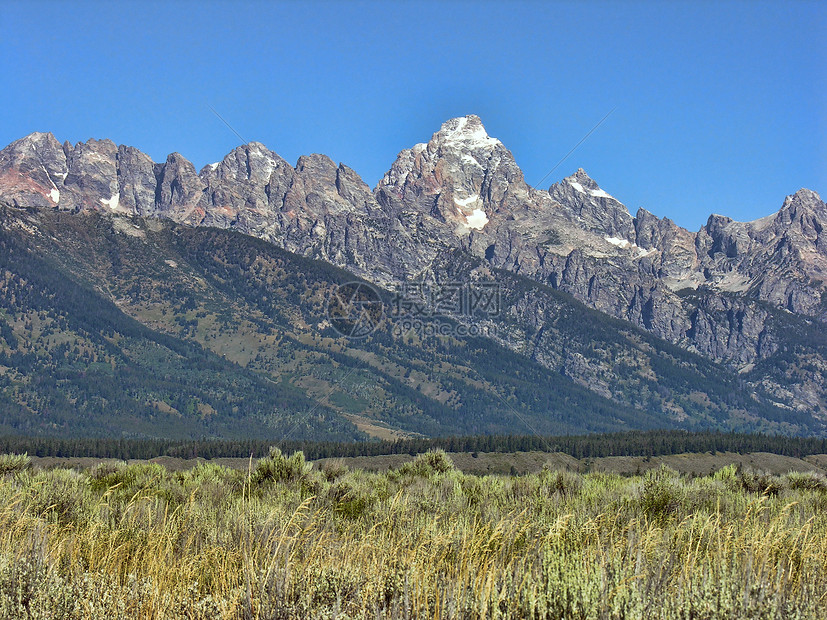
(519, 463)
(513, 463)
(283, 539)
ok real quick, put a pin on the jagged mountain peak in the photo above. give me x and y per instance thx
(583, 199)
(580, 181)
(250, 149)
(29, 143)
(257, 146)
(804, 213)
(252, 161)
(32, 170)
(36, 137)
(462, 140)
(460, 177)
(805, 199)
(92, 143)
(37, 144)
(465, 132)
(315, 160)
(582, 176)
(807, 194)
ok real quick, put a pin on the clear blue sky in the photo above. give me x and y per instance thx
(719, 107)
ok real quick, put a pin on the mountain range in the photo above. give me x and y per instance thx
(621, 321)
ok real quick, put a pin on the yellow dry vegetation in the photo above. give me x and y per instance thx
(285, 540)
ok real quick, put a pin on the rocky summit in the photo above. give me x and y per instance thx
(740, 294)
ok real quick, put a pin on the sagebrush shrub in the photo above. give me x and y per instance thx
(13, 463)
(661, 493)
(333, 469)
(561, 481)
(806, 481)
(760, 483)
(428, 464)
(276, 467)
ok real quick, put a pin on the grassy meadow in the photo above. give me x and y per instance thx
(283, 539)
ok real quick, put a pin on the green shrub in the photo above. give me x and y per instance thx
(351, 497)
(561, 481)
(276, 467)
(473, 490)
(108, 474)
(61, 493)
(209, 473)
(428, 464)
(128, 478)
(761, 483)
(728, 475)
(661, 493)
(334, 469)
(13, 463)
(806, 481)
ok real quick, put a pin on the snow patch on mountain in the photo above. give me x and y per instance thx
(628, 245)
(477, 220)
(621, 243)
(467, 132)
(112, 202)
(470, 160)
(464, 202)
(600, 193)
(597, 193)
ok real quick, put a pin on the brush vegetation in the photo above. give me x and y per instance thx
(284, 539)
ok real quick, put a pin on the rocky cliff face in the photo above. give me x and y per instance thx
(714, 291)
(466, 191)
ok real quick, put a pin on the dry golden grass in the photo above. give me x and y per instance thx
(282, 540)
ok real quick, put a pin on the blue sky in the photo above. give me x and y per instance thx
(719, 107)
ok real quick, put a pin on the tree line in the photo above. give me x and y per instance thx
(630, 443)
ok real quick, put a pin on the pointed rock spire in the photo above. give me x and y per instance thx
(598, 210)
(465, 132)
